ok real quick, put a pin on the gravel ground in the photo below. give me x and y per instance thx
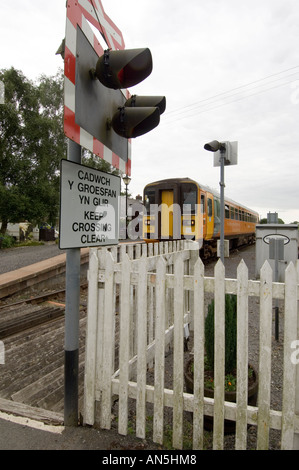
(16, 258)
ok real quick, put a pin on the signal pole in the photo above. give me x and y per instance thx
(222, 211)
(72, 307)
(225, 153)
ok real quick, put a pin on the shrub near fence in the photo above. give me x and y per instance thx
(159, 289)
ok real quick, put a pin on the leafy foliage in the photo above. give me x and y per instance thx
(230, 334)
(6, 241)
(32, 144)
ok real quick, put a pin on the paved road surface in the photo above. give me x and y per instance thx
(16, 258)
(17, 433)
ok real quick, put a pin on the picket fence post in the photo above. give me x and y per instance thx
(289, 368)
(145, 285)
(124, 346)
(242, 356)
(219, 356)
(91, 333)
(296, 435)
(159, 352)
(265, 357)
(107, 342)
(199, 341)
(178, 352)
(141, 349)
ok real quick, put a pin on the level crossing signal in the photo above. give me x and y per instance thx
(99, 112)
(121, 69)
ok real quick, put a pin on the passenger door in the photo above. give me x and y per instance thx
(167, 214)
(203, 216)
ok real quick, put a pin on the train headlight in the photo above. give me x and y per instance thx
(189, 223)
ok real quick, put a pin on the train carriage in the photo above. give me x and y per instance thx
(181, 208)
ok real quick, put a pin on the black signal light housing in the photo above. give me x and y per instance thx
(125, 68)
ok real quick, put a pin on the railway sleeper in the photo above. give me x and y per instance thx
(51, 383)
(16, 325)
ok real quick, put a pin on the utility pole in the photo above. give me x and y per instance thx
(225, 153)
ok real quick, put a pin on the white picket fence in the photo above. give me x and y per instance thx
(141, 297)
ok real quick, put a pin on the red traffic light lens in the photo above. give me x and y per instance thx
(123, 69)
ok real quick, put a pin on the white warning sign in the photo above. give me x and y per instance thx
(88, 206)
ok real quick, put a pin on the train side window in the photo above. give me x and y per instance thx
(202, 204)
(232, 213)
(226, 212)
(210, 207)
(216, 207)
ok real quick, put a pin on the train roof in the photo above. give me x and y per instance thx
(202, 186)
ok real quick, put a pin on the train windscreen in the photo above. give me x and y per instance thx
(149, 199)
(188, 198)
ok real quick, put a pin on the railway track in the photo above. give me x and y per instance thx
(32, 330)
(21, 319)
(27, 313)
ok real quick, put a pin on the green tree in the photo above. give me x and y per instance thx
(32, 144)
(265, 221)
(96, 162)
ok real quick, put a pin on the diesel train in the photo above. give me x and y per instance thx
(181, 208)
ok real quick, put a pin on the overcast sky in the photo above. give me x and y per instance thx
(229, 70)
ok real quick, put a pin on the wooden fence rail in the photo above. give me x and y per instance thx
(142, 300)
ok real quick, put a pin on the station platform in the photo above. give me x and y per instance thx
(29, 276)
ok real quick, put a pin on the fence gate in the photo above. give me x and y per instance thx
(143, 300)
